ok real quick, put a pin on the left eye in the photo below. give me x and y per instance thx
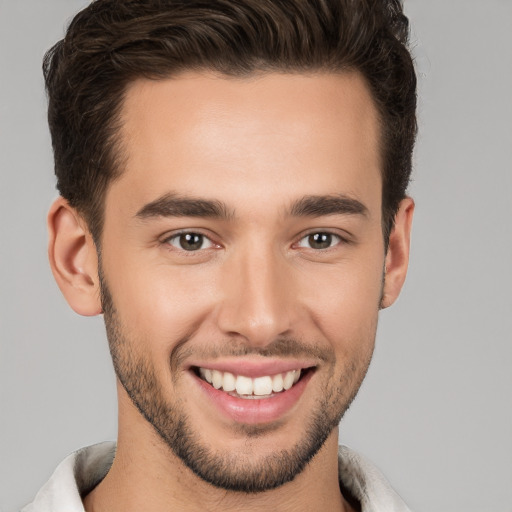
(319, 241)
(190, 241)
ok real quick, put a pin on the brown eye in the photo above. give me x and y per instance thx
(190, 241)
(319, 241)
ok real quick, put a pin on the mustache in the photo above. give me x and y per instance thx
(280, 347)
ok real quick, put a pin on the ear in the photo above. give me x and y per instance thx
(73, 258)
(397, 256)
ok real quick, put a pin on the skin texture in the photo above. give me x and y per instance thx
(258, 291)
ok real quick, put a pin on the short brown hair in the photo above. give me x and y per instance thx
(112, 42)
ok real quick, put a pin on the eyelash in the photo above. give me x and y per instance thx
(176, 236)
(332, 237)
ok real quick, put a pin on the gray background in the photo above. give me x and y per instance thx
(435, 413)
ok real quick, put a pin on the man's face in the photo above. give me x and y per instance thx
(242, 250)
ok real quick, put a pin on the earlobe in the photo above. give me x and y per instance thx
(397, 256)
(73, 258)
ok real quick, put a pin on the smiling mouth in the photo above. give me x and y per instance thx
(241, 386)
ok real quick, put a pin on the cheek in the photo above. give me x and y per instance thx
(157, 302)
(344, 305)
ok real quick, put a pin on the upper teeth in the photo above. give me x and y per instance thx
(260, 386)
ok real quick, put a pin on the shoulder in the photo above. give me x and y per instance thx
(367, 484)
(76, 475)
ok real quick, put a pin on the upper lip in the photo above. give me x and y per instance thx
(254, 368)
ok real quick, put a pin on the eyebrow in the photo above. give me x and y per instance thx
(318, 206)
(173, 205)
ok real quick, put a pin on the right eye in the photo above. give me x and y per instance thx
(190, 241)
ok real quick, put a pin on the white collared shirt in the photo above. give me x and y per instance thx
(81, 471)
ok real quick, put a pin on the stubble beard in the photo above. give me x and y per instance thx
(229, 471)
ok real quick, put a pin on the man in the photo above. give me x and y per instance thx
(233, 200)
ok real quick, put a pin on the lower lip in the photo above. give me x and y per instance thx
(253, 411)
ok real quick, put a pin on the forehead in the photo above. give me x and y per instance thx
(274, 136)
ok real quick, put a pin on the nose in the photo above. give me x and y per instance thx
(258, 303)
